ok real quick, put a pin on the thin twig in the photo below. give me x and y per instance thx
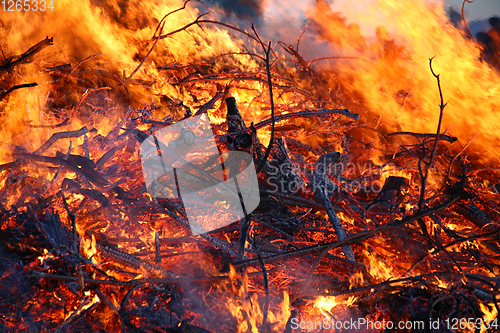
(60, 167)
(329, 58)
(454, 159)
(465, 22)
(245, 224)
(198, 21)
(209, 105)
(88, 92)
(63, 123)
(452, 244)
(424, 174)
(147, 55)
(134, 282)
(83, 61)
(397, 283)
(300, 114)
(300, 37)
(19, 86)
(173, 12)
(84, 300)
(105, 300)
(7, 65)
(425, 136)
(91, 175)
(442, 105)
(60, 135)
(267, 52)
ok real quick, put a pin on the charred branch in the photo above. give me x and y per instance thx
(14, 61)
(61, 135)
(16, 87)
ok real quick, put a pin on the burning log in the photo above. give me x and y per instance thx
(323, 187)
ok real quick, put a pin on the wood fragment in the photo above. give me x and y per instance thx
(443, 137)
(86, 146)
(61, 135)
(105, 300)
(16, 87)
(90, 175)
(11, 165)
(157, 249)
(53, 229)
(337, 225)
(9, 63)
(63, 123)
(133, 261)
(209, 105)
(476, 215)
(80, 277)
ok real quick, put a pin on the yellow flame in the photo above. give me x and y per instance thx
(93, 301)
(45, 256)
(398, 62)
(379, 269)
(326, 304)
(88, 247)
(490, 316)
(246, 308)
(117, 35)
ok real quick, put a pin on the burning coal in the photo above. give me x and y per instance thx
(164, 170)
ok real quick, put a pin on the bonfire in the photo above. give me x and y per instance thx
(164, 168)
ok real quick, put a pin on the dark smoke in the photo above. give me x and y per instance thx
(125, 14)
(243, 9)
(490, 43)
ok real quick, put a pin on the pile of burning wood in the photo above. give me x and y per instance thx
(337, 237)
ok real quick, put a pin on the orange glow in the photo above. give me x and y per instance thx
(397, 62)
(327, 304)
